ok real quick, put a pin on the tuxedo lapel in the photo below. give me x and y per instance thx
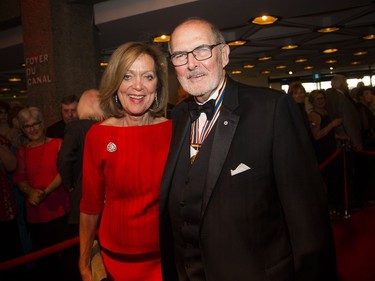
(181, 129)
(225, 130)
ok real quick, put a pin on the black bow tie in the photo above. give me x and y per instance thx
(196, 109)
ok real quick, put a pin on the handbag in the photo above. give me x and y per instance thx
(97, 264)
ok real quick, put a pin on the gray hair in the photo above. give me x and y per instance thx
(338, 81)
(218, 36)
(29, 112)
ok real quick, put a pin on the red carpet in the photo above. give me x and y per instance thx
(355, 246)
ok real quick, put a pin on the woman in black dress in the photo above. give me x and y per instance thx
(325, 144)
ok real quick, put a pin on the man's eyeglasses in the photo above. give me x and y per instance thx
(200, 53)
(34, 125)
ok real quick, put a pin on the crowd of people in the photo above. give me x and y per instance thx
(341, 118)
(228, 188)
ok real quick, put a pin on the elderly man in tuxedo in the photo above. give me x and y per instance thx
(241, 197)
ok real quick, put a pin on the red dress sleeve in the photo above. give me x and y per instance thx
(92, 201)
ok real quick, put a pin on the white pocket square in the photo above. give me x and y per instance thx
(241, 168)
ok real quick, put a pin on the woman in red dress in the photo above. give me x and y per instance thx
(47, 203)
(124, 157)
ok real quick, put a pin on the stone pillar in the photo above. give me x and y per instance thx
(61, 52)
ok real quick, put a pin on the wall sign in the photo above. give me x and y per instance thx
(37, 70)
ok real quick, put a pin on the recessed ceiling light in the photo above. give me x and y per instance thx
(237, 43)
(263, 20)
(328, 29)
(266, 72)
(161, 38)
(5, 89)
(289, 47)
(248, 66)
(369, 37)
(308, 67)
(330, 50)
(280, 66)
(104, 64)
(264, 58)
(360, 53)
(236, 72)
(300, 60)
(14, 79)
(290, 72)
(355, 62)
(331, 61)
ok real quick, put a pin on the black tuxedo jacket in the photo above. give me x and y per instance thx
(69, 163)
(270, 221)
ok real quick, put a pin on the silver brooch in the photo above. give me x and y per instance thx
(111, 147)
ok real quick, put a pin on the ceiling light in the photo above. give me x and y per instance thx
(290, 72)
(289, 47)
(280, 66)
(264, 58)
(330, 51)
(237, 43)
(331, 61)
(248, 66)
(5, 89)
(161, 38)
(14, 79)
(236, 72)
(266, 72)
(355, 62)
(328, 29)
(263, 20)
(104, 64)
(308, 67)
(360, 53)
(369, 37)
(300, 60)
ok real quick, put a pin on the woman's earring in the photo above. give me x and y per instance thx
(117, 101)
(156, 100)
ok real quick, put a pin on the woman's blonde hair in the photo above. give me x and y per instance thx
(312, 96)
(119, 63)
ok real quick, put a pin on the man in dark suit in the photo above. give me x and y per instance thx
(241, 197)
(340, 105)
(69, 163)
(68, 114)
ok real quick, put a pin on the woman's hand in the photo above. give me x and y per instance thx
(336, 122)
(36, 196)
(85, 270)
